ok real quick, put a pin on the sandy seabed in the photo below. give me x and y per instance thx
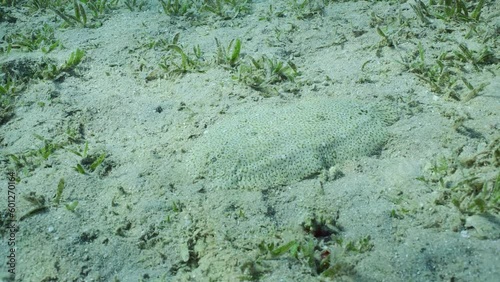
(129, 113)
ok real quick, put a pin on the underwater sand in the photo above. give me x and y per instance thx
(141, 218)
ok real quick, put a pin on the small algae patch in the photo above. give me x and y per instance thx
(278, 145)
